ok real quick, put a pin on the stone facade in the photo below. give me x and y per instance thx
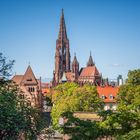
(63, 65)
(62, 54)
(30, 87)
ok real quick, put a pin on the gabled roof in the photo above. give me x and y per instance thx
(89, 71)
(29, 77)
(108, 91)
(17, 79)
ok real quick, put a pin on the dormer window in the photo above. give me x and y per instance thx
(103, 96)
(111, 97)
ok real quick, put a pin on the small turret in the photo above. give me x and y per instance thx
(75, 67)
(90, 61)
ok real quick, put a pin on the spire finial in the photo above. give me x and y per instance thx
(62, 11)
(90, 61)
(62, 29)
(74, 53)
(90, 53)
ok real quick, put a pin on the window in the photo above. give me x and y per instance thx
(31, 89)
(30, 79)
(103, 96)
(111, 97)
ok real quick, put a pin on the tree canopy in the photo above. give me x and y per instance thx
(5, 66)
(17, 118)
(134, 77)
(71, 97)
(126, 120)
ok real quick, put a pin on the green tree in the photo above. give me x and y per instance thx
(129, 102)
(132, 135)
(17, 118)
(134, 77)
(71, 97)
(127, 116)
(79, 129)
(5, 67)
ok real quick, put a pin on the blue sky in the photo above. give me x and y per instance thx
(110, 29)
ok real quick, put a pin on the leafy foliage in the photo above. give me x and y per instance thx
(132, 135)
(5, 66)
(71, 97)
(17, 118)
(134, 77)
(126, 120)
(80, 129)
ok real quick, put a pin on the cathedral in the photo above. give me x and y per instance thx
(67, 71)
(33, 90)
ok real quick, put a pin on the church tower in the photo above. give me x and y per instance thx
(62, 54)
(75, 67)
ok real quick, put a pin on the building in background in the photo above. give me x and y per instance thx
(119, 80)
(108, 94)
(30, 87)
(89, 74)
(62, 53)
(65, 71)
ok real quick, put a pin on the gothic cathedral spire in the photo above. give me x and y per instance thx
(62, 54)
(62, 29)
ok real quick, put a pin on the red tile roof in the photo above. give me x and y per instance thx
(106, 92)
(89, 71)
(29, 77)
(45, 90)
(17, 79)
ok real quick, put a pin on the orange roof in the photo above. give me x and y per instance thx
(45, 90)
(17, 79)
(29, 77)
(108, 91)
(89, 71)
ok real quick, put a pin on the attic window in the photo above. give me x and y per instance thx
(30, 79)
(103, 96)
(111, 97)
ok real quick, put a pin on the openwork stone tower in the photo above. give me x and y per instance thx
(62, 54)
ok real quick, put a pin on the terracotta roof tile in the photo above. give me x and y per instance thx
(107, 91)
(17, 79)
(29, 77)
(89, 71)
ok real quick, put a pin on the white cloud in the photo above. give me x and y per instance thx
(116, 65)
